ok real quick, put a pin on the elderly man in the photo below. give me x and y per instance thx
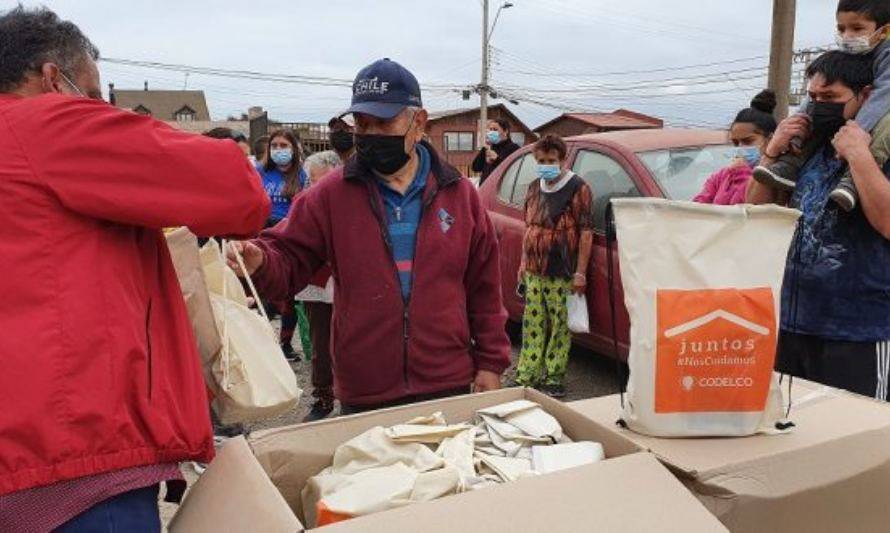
(836, 295)
(418, 311)
(101, 388)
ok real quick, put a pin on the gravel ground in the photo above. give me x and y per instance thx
(589, 375)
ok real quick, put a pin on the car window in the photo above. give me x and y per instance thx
(505, 191)
(527, 174)
(607, 180)
(682, 172)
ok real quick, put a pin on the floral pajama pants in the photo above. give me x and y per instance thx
(546, 338)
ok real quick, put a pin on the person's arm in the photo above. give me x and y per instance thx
(709, 191)
(852, 144)
(485, 308)
(584, 219)
(523, 258)
(283, 259)
(115, 165)
(878, 102)
(479, 161)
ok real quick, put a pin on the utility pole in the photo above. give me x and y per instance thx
(483, 85)
(781, 53)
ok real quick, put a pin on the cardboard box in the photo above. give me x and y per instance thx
(832, 473)
(256, 486)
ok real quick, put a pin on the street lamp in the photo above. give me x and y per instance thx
(505, 5)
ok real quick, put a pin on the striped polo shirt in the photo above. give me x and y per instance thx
(403, 212)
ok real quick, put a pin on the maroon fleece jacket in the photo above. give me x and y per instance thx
(384, 348)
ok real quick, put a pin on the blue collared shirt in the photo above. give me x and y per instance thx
(403, 212)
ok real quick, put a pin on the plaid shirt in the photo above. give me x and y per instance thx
(43, 509)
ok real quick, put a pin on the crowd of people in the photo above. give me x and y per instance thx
(378, 252)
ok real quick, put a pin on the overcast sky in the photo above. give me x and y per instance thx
(567, 54)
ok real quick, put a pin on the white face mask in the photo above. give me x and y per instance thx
(856, 45)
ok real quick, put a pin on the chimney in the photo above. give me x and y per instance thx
(146, 85)
(111, 98)
(254, 112)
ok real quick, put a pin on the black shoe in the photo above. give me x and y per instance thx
(779, 176)
(320, 410)
(845, 195)
(554, 391)
(289, 352)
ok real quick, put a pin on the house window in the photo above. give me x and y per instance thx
(186, 114)
(459, 141)
(518, 138)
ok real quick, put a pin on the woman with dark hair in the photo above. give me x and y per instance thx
(283, 177)
(282, 172)
(750, 132)
(556, 252)
(498, 146)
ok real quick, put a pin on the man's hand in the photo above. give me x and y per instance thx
(486, 381)
(579, 283)
(852, 142)
(251, 253)
(791, 127)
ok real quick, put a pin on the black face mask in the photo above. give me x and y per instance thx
(342, 141)
(827, 117)
(383, 153)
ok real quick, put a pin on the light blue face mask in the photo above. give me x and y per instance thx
(282, 156)
(549, 172)
(750, 154)
(494, 137)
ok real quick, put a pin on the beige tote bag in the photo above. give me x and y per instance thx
(702, 285)
(254, 380)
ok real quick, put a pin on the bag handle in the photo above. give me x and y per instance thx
(611, 238)
(250, 285)
(225, 296)
(253, 292)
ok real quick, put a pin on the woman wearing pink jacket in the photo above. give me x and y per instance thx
(749, 133)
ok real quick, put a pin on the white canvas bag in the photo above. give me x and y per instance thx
(253, 379)
(702, 285)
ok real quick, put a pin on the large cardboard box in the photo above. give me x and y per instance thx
(255, 486)
(831, 474)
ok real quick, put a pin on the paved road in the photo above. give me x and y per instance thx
(589, 375)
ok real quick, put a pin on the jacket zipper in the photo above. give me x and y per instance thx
(148, 346)
(376, 201)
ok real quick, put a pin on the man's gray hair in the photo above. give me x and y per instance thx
(327, 159)
(31, 37)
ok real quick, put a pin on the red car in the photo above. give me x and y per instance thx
(664, 163)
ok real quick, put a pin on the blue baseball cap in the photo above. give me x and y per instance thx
(383, 89)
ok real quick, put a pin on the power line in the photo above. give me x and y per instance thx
(247, 74)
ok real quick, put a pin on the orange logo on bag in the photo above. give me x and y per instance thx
(716, 350)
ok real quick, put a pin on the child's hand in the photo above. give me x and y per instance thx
(852, 142)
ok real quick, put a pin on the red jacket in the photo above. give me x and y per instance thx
(383, 349)
(100, 369)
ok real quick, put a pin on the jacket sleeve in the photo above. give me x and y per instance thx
(709, 191)
(878, 103)
(479, 161)
(485, 307)
(295, 248)
(119, 166)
